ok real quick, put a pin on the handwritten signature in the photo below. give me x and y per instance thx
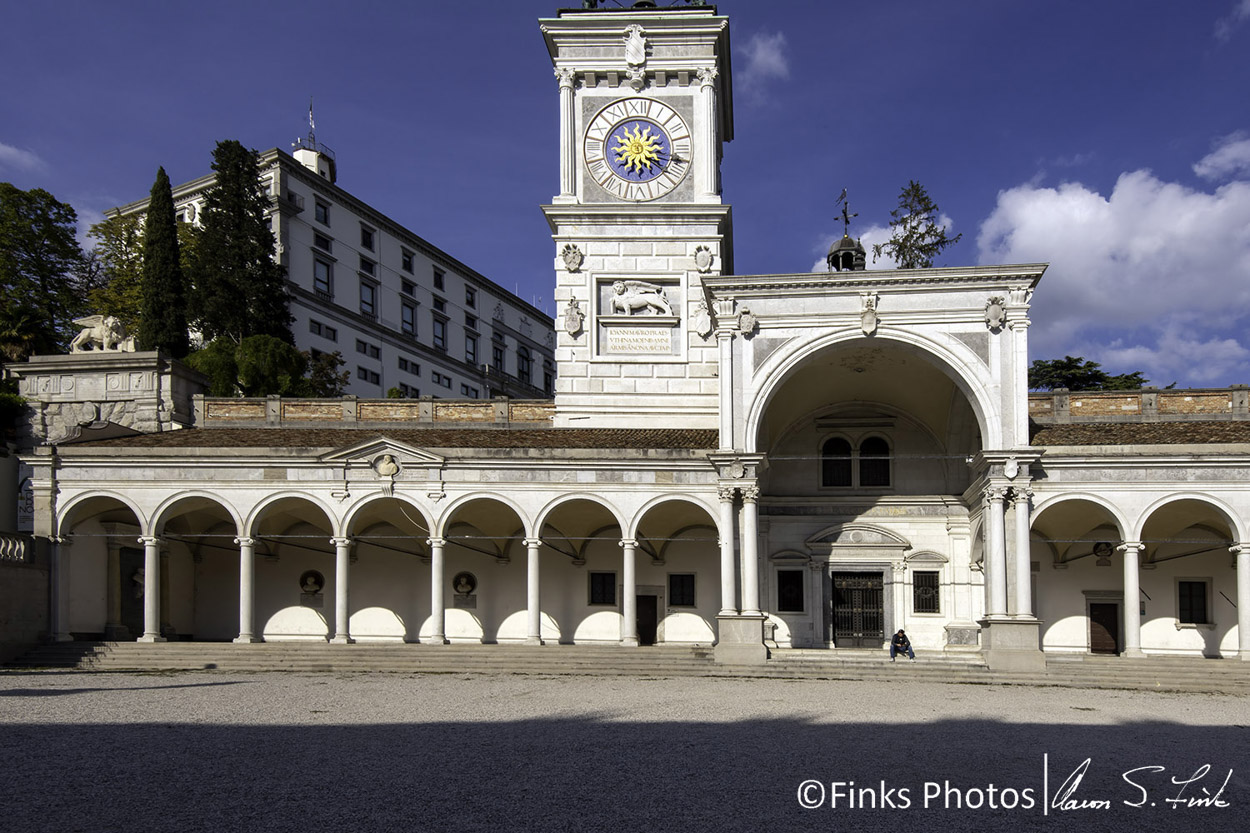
(1142, 779)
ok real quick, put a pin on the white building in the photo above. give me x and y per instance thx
(760, 462)
(403, 313)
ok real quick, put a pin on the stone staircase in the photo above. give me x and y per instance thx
(1181, 674)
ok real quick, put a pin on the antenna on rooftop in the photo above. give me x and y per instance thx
(312, 125)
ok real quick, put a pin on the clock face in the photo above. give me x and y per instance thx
(638, 149)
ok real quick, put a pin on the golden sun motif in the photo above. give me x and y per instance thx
(638, 151)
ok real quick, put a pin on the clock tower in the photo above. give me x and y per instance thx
(645, 107)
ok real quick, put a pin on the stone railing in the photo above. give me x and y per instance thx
(223, 412)
(1146, 405)
(14, 547)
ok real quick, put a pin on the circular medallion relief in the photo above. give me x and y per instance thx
(638, 149)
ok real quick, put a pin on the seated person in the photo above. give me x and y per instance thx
(901, 644)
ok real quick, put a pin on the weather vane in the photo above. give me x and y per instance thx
(846, 213)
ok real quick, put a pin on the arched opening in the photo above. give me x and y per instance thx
(294, 571)
(678, 581)
(484, 572)
(582, 572)
(199, 569)
(389, 570)
(101, 583)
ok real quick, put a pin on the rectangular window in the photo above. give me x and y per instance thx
(322, 213)
(924, 591)
(408, 288)
(438, 278)
(368, 300)
(681, 590)
(1192, 603)
(366, 375)
(470, 348)
(324, 330)
(408, 319)
(408, 391)
(409, 366)
(440, 379)
(469, 391)
(323, 283)
(368, 267)
(366, 238)
(470, 321)
(603, 589)
(440, 334)
(470, 297)
(497, 356)
(790, 591)
(440, 305)
(523, 364)
(322, 242)
(367, 349)
(405, 262)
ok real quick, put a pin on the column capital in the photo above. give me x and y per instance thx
(341, 541)
(1236, 549)
(1021, 494)
(150, 540)
(533, 542)
(707, 77)
(59, 540)
(750, 494)
(725, 494)
(995, 493)
(565, 76)
(245, 542)
(631, 543)
(1134, 547)
(436, 542)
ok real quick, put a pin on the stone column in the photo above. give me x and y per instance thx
(59, 579)
(1132, 598)
(725, 340)
(1020, 365)
(438, 606)
(1024, 561)
(342, 610)
(1242, 553)
(533, 609)
(568, 141)
(995, 551)
(750, 552)
(707, 154)
(151, 590)
(629, 593)
(728, 584)
(247, 590)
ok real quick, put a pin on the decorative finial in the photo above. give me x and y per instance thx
(846, 215)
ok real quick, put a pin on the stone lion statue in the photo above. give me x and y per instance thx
(629, 297)
(101, 332)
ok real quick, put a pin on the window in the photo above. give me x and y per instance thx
(440, 379)
(469, 391)
(835, 463)
(440, 305)
(322, 242)
(324, 330)
(470, 348)
(603, 589)
(523, 363)
(409, 366)
(366, 375)
(874, 463)
(924, 592)
(368, 300)
(470, 297)
(322, 213)
(408, 288)
(366, 238)
(549, 375)
(790, 591)
(408, 319)
(440, 334)
(497, 356)
(438, 278)
(1192, 603)
(368, 267)
(405, 262)
(323, 284)
(408, 391)
(370, 350)
(470, 321)
(681, 590)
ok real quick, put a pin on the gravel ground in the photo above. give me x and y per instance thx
(204, 751)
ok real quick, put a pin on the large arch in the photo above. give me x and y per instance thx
(484, 574)
(681, 536)
(389, 573)
(98, 583)
(294, 531)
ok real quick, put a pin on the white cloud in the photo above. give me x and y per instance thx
(1154, 277)
(1230, 157)
(1225, 26)
(765, 61)
(16, 159)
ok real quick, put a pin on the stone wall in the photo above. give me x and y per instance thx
(1061, 406)
(219, 412)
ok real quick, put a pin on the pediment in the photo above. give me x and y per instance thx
(926, 557)
(864, 536)
(366, 453)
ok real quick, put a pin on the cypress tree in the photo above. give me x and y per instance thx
(240, 290)
(163, 319)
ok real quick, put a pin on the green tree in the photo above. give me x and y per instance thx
(240, 290)
(163, 323)
(267, 366)
(1079, 374)
(119, 253)
(40, 264)
(324, 376)
(916, 233)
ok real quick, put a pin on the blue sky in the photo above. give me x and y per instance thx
(1111, 139)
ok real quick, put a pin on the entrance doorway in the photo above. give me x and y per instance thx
(858, 617)
(648, 618)
(1104, 628)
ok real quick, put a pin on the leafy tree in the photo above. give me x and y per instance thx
(324, 376)
(268, 366)
(40, 264)
(163, 323)
(917, 236)
(1078, 373)
(240, 290)
(119, 253)
(216, 361)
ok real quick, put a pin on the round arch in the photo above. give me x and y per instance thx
(631, 530)
(1225, 512)
(172, 506)
(267, 504)
(444, 519)
(1053, 501)
(371, 501)
(66, 515)
(550, 508)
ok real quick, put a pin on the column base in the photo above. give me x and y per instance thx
(740, 640)
(1012, 644)
(534, 640)
(1244, 655)
(246, 640)
(963, 637)
(434, 640)
(1133, 653)
(630, 642)
(151, 637)
(116, 633)
(342, 640)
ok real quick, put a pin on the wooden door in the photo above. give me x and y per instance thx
(1104, 628)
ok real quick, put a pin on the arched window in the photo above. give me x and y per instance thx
(874, 463)
(835, 462)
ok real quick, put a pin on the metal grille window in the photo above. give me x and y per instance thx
(790, 591)
(1192, 603)
(603, 588)
(925, 595)
(681, 590)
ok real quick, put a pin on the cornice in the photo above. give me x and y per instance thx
(823, 282)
